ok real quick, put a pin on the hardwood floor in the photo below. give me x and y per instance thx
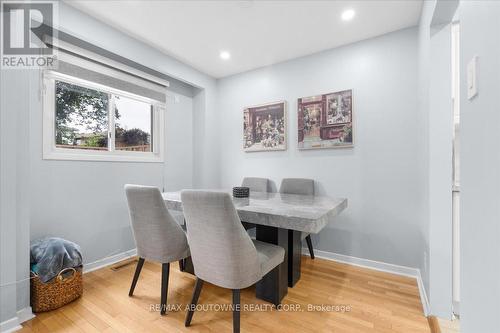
(379, 302)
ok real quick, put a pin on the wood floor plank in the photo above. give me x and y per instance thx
(360, 300)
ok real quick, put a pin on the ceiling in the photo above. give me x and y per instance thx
(256, 33)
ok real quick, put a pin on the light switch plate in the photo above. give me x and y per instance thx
(472, 78)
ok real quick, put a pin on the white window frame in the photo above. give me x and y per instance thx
(51, 152)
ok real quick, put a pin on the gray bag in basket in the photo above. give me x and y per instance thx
(51, 255)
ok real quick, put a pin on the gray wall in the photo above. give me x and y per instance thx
(440, 173)
(379, 175)
(178, 168)
(479, 172)
(205, 155)
(435, 153)
(422, 152)
(84, 201)
(14, 219)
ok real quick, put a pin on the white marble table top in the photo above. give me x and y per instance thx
(308, 213)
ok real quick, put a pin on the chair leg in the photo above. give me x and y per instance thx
(138, 269)
(194, 301)
(165, 270)
(310, 246)
(181, 265)
(236, 311)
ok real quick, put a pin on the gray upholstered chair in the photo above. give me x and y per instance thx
(300, 186)
(157, 235)
(222, 252)
(255, 184)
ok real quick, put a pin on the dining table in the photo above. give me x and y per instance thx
(279, 219)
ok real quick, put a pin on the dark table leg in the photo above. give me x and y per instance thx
(188, 265)
(247, 225)
(274, 285)
(187, 262)
(294, 256)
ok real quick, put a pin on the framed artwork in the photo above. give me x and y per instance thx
(264, 127)
(325, 121)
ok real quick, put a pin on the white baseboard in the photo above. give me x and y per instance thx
(92, 266)
(10, 325)
(25, 314)
(378, 266)
(423, 295)
(14, 324)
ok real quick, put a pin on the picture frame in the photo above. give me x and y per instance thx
(325, 121)
(265, 127)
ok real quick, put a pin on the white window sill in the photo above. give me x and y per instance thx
(104, 156)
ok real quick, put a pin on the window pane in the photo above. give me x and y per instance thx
(81, 117)
(132, 124)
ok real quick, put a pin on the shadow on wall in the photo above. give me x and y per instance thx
(272, 187)
(355, 243)
(112, 242)
(347, 235)
(334, 152)
(319, 188)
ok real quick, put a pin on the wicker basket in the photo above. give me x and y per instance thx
(59, 291)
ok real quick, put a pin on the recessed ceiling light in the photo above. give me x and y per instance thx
(225, 55)
(348, 14)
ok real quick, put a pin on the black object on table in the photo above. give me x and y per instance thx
(241, 192)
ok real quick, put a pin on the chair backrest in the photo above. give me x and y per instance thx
(256, 184)
(157, 235)
(222, 252)
(297, 186)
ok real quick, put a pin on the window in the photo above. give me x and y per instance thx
(84, 120)
(81, 117)
(133, 124)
